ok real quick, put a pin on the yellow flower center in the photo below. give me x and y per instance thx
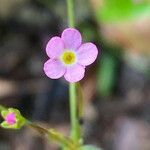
(68, 57)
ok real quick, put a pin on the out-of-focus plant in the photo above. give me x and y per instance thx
(124, 24)
(121, 10)
(107, 74)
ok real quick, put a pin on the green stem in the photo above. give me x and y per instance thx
(73, 112)
(75, 129)
(53, 135)
(70, 13)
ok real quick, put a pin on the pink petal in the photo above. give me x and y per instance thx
(54, 47)
(74, 73)
(87, 53)
(54, 69)
(72, 38)
(10, 118)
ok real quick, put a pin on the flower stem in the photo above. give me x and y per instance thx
(70, 13)
(75, 129)
(73, 111)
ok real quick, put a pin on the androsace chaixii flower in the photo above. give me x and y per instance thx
(68, 56)
(12, 119)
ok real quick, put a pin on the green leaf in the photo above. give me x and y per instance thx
(107, 74)
(90, 147)
(119, 10)
(4, 113)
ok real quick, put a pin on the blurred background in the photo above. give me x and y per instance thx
(116, 88)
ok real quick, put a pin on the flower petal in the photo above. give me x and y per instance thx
(54, 47)
(54, 69)
(71, 38)
(11, 118)
(74, 73)
(87, 53)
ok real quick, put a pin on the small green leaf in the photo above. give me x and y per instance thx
(4, 113)
(90, 147)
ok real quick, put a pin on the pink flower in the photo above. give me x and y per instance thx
(10, 118)
(68, 56)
